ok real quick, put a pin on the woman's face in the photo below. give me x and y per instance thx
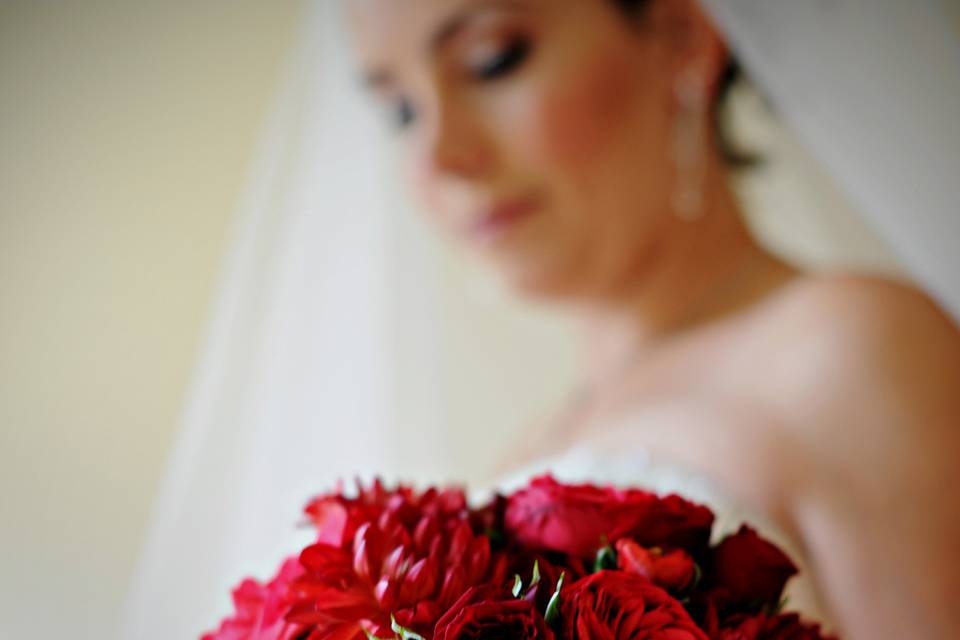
(537, 132)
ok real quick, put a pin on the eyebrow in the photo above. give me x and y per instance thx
(448, 30)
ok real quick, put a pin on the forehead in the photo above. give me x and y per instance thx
(379, 18)
(383, 29)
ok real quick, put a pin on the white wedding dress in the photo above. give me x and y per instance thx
(636, 468)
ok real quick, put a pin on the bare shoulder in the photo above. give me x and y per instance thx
(867, 306)
(862, 376)
(864, 373)
(852, 382)
(844, 345)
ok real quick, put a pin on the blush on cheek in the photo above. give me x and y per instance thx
(583, 112)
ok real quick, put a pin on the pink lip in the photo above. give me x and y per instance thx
(497, 219)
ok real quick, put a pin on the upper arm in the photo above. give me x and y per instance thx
(877, 499)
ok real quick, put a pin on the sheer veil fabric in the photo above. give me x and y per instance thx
(340, 343)
(869, 86)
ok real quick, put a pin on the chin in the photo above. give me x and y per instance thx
(535, 263)
(541, 282)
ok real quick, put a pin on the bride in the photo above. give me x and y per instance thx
(575, 146)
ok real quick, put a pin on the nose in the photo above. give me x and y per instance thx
(455, 144)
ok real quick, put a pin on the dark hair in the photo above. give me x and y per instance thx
(731, 74)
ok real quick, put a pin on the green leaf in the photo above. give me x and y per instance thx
(517, 586)
(553, 607)
(773, 610)
(697, 575)
(535, 580)
(496, 537)
(606, 559)
(405, 634)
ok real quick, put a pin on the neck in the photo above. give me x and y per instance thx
(711, 269)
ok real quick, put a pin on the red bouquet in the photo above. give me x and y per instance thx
(549, 562)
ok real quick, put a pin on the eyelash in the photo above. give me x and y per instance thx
(498, 66)
(505, 62)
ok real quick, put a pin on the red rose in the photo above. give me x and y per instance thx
(747, 569)
(672, 570)
(492, 612)
(777, 627)
(579, 519)
(610, 605)
(260, 609)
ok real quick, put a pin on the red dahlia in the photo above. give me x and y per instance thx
(411, 556)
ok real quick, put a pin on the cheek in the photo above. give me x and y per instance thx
(583, 118)
(597, 133)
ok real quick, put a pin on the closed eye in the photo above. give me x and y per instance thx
(504, 62)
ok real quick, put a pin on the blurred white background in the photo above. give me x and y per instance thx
(126, 134)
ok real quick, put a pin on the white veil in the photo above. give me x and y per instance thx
(341, 344)
(872, 87)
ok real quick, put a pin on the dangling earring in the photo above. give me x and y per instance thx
(689, 156)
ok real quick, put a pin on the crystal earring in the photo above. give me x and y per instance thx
(689, 157)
